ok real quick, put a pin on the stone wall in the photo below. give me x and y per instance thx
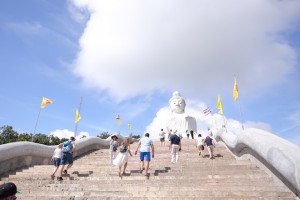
(19, 155)
(278, 155)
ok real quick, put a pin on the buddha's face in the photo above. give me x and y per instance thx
(177, 105)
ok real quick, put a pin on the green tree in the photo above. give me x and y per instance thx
(41, 139)
(83, 136)
(8, 134)
(136, 136)
(24, 137)
(103, 135)
(53, 140)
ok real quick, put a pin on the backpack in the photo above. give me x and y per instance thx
(67, 147)
(123, 149)
(208, 141)
(114, 148)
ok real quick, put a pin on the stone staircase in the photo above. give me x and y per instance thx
(193, 177)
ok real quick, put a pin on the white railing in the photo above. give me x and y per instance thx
(281, 157)
(18, 155)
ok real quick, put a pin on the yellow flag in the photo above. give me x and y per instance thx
(219, 106)
(235, 90)
(120, 122)
(77, 117)
(45, 101)
(129, 126)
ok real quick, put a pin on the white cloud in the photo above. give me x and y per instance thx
(213, 122)
(135, 47)
(65, 133)
(80, 14)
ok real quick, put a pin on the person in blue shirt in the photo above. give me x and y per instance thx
(211, 144)
(146, 146)
(67, 156)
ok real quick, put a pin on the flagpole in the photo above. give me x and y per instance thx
(241, 113)
(212, 121)
(36, 124)
(235, 89)
(224, 123)
(76, 124)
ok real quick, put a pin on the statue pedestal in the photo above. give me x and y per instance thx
(181, 123)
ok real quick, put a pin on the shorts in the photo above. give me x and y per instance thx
(56, 162)
(162, 139)
(67, 158)
(200, 147)
(210, 149)
(143, 155)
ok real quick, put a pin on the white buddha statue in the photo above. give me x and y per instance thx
(179, 120)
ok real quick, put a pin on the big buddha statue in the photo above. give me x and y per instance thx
(180, 121)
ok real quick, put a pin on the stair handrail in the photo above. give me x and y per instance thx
(280, 156)
(18, 155)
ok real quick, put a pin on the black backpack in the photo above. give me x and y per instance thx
(208, 141)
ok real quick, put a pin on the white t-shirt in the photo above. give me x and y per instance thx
(113, 143)
(200, 141)
(57, 153)
(161, 134)
(145, 144)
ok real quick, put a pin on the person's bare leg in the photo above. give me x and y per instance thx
(69, 166)
(61, 170)
(142, 165)
(120, 170)
(124, 169)
(54, 170)
(147, 168)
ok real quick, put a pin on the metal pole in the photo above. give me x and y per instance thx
(36, 124)
(224, 123)
(241, 114)
(240, 107)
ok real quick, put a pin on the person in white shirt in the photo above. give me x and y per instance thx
(113, 148)
(200, 144)
(162, 137)
(145, 145)
(56, 158)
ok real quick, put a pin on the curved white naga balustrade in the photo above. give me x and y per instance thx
(24, 154)
(281, 157)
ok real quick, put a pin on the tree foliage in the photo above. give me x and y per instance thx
(136, 136)
(8, 135)
(103, 135)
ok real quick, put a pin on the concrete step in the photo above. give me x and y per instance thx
(193, 177)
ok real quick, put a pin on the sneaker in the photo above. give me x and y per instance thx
(60, 178)
(65, 171)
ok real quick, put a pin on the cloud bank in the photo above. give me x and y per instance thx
(65, 133)
(213, 122)
(131, 48)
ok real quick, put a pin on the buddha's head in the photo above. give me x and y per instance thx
(177, 103)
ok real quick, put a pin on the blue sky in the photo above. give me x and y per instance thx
(127, 58)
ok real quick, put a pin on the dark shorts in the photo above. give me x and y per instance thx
(162, 139)
(56, 162)
(67, 158)
(143, 155)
